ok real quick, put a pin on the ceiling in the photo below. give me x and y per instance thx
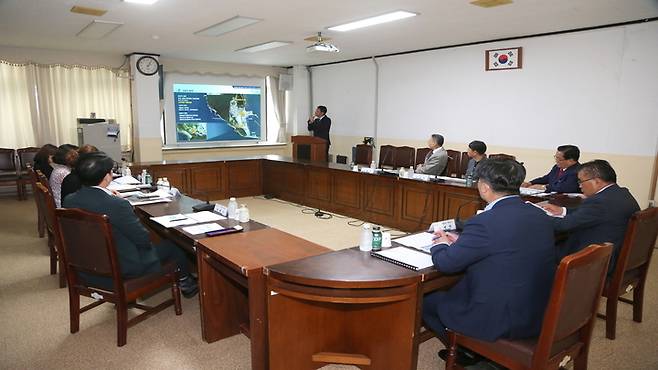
(49, 24)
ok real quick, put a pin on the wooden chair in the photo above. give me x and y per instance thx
(88, 246)
(405, 156)
(387, 156)
(454, 161)
(41, 221)
(9, 170)
(632, 267)
(363, 154)
(25, 158)
(502, 156)
(568, 321)
(46, 203)
(421, 153)
(463, 165)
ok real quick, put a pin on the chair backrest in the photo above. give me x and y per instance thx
(87, 242)
(46, 203)
(639, 243)
(454, 161)
(463, 164)
(405, 156)
(7, 159)
(387, 156)
(502, 156)
(43, 179)
(363, 154)
(421, 153)
(574, 299)
(26, 156)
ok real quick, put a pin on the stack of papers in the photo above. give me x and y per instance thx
(405, 257)
(453, 179)
(420, 241)
(530, 191)
(538, 205)
(202, 229)
(187, 219)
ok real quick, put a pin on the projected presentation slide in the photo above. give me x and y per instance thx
(217, 112)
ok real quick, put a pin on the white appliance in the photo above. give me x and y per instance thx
(101, 133)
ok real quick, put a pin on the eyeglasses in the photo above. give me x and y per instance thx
(582, 181)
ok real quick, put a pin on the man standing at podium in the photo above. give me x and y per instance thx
(320, 125)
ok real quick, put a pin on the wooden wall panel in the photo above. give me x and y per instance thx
(175, 174)
(380, 199)
(244, 178)
(452, 201)
(418, 205)
(207, 181)
(318, 185)
(346, 192)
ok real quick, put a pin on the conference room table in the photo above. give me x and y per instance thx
(301, 304)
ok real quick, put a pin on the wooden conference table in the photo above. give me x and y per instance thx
(302, 305)
(245, 277)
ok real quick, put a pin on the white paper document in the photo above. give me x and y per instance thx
(205, 216)
(538, 205)
(126, 180)
(420, 241)
(530, 191)
(140, 202)
(445, 225)
(202, 229)
(174, 220)
(452, 179)
(406, 257)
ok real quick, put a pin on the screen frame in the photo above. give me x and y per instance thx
(170, 137)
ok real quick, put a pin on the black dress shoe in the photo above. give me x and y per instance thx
(464, 358)
(188, 286)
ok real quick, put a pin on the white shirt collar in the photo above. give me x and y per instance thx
(607, 186)
(436, 150)
(103, 189)
(490, 205)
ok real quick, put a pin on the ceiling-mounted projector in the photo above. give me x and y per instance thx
(320, 44)
(322, 47)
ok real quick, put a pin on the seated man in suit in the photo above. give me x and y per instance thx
(476, 153)
(507, 255)
(137, 256)
(562, 177)
(602, 217)
(436, 160)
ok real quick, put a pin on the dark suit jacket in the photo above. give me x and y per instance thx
(568, 183)
(71, 184)
(507, 255)
(135, 253)
(320, 128)
(603, 217)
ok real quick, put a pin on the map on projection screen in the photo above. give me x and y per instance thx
(206, 113)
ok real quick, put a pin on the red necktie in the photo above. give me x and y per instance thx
(560, 173)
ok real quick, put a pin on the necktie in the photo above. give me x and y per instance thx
(560, 173)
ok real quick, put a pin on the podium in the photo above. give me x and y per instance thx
(309, 147)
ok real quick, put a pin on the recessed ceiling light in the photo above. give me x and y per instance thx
(147, 2)
(227, 26)
(88, 11)
(384, 18)
(264, 46)
(98, 29)
(490, 3)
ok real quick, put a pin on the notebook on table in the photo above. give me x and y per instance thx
(405, 257)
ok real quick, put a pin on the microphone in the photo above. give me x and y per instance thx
(207, 206)
(459, 224)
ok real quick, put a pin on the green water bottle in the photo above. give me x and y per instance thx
(376, 239)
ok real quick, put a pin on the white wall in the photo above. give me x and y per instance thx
(597, 89)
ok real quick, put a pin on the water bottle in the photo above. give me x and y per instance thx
(376, 239)
(149, 180)
(232, 209)
(366, 238)
(165, 184)
(143, 177)
(469, 180)
(402, 173)
(410, 173)
(159, 183)
(124, 168)
(128, 172)
(373, 165)
(243, 213)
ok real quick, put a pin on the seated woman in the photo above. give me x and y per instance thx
(63, 160)
(43, 159)
(71, 182)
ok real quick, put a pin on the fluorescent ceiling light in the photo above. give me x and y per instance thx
(98, 29)
(147, 2)
(265, 46)
(227, 26)
(388, 17)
